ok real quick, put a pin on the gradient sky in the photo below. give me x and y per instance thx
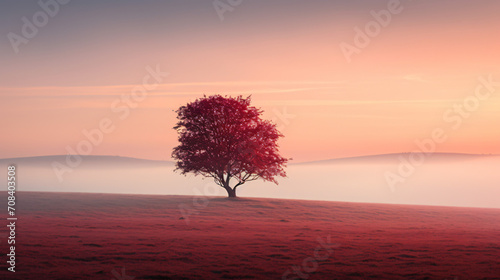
(285, 53)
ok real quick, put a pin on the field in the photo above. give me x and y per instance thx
(113, 236)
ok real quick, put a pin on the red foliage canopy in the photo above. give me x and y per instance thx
(224, 138)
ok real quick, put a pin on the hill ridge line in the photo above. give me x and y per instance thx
(372, 156)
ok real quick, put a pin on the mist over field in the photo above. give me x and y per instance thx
(443, 179)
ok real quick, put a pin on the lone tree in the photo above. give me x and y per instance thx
(225, 138)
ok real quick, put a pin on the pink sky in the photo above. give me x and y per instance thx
(395, 91)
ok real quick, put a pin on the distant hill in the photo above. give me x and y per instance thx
(119, 161)
(395, 157)
(87, 161)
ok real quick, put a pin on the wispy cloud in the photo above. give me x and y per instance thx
(330, 102)
(195, 88)
(415, 78)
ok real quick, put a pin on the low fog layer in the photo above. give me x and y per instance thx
(441, 179)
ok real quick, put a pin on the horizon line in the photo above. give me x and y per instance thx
(290, 162)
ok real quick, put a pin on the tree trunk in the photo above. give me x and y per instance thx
(230, 192)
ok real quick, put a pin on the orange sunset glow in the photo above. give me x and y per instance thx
(394, 91)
